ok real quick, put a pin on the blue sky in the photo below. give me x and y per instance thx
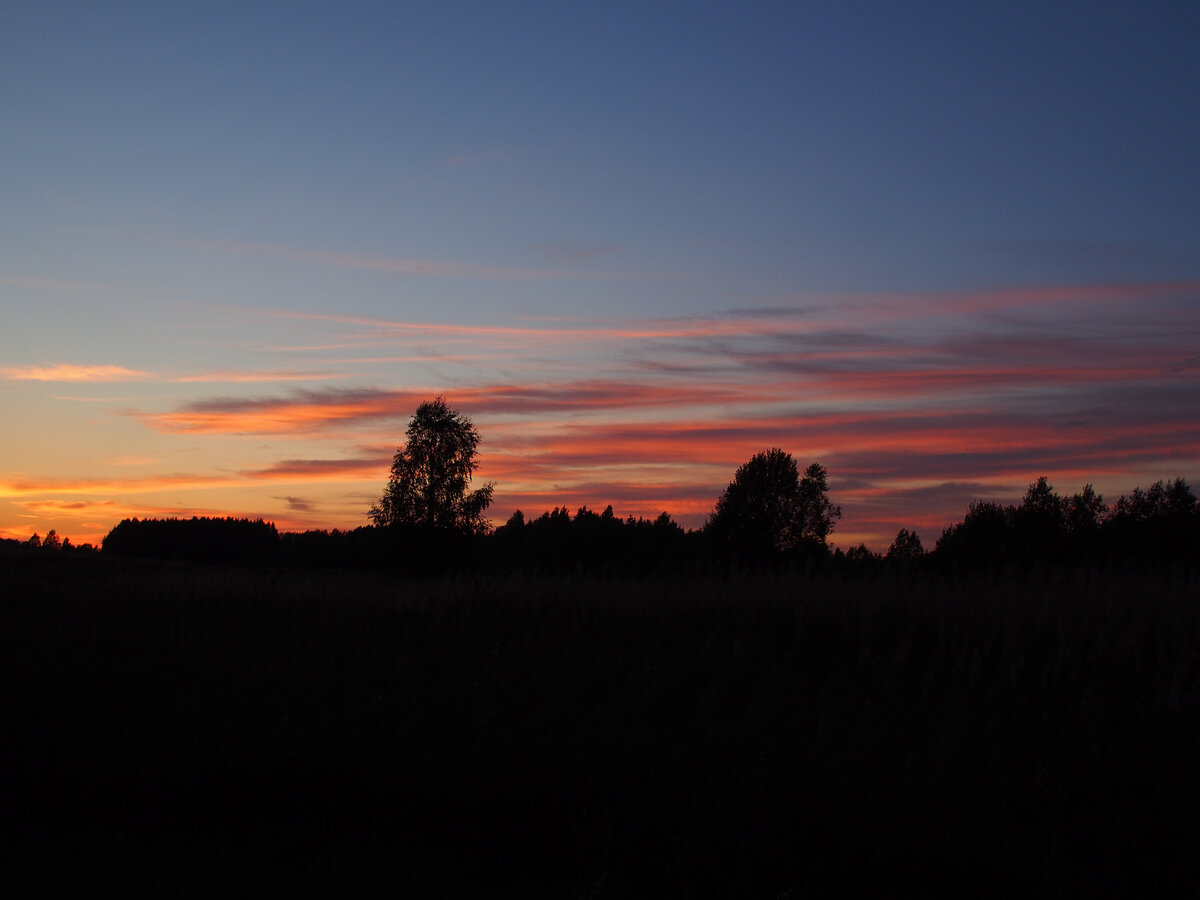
(183, 184)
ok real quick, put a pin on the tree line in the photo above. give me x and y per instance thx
(51, 543)
(429, 519)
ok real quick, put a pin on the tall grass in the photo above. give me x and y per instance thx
(188, 729)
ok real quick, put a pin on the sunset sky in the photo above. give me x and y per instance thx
(941, 248)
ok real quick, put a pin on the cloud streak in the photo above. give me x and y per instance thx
(309, 411)
(71, 372)
(81, 373)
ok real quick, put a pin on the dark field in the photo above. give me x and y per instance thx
(188, 731)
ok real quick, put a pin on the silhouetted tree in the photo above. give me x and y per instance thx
(768, 508)
(984, 536)
(1155, 523)
(862, 555)
(1039, 523)
(1084, 512)
(34, 542)
(1158, 501)
(1042, 505)
(1160, 521)
(906, 547)
(52, 541)
(431, 473)
(818, 514)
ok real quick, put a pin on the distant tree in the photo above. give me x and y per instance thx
(984, 536)
(1039, 523)
(906, 547)
(34, 542)
(1160, 500)
(52, 541)
(1160, 521)
(1042, 505)
(1180, 499)
(664, 522)
(431, 473)
(818, 514)
(1085, 511)
(768, 508)
(862, 555)
(516, 520)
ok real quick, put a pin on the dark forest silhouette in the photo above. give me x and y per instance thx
(858, 727)
(1159, 523)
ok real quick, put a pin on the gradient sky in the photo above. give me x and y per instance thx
(942, 248)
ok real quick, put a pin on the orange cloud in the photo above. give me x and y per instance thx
(308, 411)
(90, 487)
(72, 372)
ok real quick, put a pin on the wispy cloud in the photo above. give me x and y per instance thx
(251, 376)
(78, 373)
(570, 251)
(398, 265)
(1090, 255)
(547, 331)
(71, 372)
(308, 411)
(112, 486)
(297, 504)
(31, 282)
(309, 470)
(81, 490)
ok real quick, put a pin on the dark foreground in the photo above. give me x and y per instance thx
(174, 731)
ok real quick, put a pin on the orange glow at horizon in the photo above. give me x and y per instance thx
(649, 415)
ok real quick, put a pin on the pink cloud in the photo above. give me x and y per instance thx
(259, 376)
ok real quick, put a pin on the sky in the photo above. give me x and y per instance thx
(941, 248)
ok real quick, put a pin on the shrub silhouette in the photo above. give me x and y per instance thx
(595, 543)
(199, 539)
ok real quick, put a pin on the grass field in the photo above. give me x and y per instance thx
(187, 731)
